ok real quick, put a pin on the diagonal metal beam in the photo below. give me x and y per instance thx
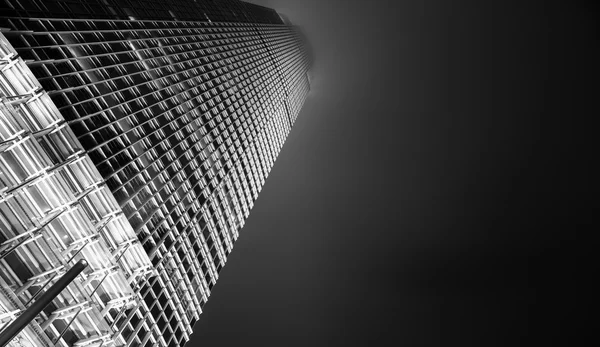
(32, 311)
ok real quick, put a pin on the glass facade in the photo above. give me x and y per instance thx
(55, 209)
(137, 135)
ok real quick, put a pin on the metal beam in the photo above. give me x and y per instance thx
(32, 311)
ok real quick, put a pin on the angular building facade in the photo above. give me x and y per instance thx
(135, 135)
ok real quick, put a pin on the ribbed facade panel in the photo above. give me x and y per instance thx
(55, 209)
(183, 118)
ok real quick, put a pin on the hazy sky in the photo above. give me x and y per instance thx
(412, 202)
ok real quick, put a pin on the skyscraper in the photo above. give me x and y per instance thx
(136, 135)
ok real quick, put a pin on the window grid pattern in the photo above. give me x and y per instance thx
(183, 120)
(181, 10)
(56, 209)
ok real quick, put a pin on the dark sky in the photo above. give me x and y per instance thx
(425, 196)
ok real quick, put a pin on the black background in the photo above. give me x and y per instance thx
(428, 193)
